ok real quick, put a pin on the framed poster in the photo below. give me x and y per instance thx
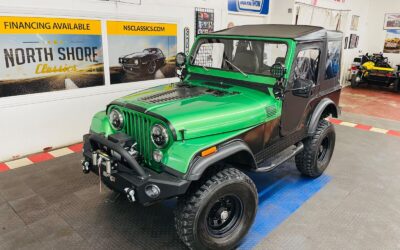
(353, 41)
(346, 42)
(392, 21)
(141, 51)
(357, 40)
(204, 21)
(39, 54)
(354, 22)
(392, 42)
(260, 7)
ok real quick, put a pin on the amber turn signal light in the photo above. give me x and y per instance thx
(208, 151)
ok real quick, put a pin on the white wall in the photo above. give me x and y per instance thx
(29, 123)
(376, 35)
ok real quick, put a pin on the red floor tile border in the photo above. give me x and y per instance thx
(76, 148)
(394, 133)
(3, 167)
(40, 157)
(363, 127)
(335, 121)
(366, 127)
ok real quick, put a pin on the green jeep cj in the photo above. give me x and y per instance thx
(250, 98)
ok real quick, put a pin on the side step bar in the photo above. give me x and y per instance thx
(280, 161)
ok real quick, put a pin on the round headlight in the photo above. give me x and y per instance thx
(159, 135)
(116, 119)
(180, 59)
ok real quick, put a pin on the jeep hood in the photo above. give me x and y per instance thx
(201, 110)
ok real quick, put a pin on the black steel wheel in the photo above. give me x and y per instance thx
(224, 215)
(318, 150)
(217, 213)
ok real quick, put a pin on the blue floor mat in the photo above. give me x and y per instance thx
(281, 193)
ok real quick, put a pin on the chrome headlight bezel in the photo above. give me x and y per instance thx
(114, 116)
(159, 136)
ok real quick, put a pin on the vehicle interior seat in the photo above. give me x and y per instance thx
(247, 61)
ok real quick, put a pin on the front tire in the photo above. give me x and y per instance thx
(318, 150)
(354, 81)
(396, 86)
(219, 213)
(151, 67)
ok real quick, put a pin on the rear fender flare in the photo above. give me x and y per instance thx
(200, 164)
(325, 107)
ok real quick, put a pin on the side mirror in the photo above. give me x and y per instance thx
(278, 71)
(302, 87)
(180, 59)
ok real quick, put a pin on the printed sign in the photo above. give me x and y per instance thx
(46, 54)
(204, 21)
(186, 33)
(141, 51)
(249, 6)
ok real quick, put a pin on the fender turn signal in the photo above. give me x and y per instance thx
(208, 151)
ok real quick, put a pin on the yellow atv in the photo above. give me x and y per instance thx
(375, 70)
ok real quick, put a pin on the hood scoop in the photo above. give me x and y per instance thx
(180, 92)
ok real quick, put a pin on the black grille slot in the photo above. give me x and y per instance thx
(271, 111)
(138, 126)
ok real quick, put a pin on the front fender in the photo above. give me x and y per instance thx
(182, 155)
(101, 125)
(200, 164)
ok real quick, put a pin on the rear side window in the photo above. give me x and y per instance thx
(333, 59)
(307, 65)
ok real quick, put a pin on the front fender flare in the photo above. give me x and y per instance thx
(200, 164)
(325, 104)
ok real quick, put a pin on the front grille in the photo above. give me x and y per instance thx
(138, 126)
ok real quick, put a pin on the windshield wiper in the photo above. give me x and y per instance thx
(236, 67)
(205, 68)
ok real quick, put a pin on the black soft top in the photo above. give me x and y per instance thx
(295, 32)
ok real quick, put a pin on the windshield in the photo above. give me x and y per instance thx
(151, 51)
(246, 56)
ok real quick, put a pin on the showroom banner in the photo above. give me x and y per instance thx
(40, 54)
(249, 6)
(392, 42)
(141, 51)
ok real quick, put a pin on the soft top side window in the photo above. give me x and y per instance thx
(333, 59)
(306, 66)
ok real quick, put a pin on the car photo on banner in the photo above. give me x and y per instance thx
(141, 51)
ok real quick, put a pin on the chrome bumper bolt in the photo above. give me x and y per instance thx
(85, 167)
(130, 194)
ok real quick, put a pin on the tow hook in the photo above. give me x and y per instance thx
(85, 167)
(130, 194)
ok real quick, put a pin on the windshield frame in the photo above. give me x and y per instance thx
(198, 43)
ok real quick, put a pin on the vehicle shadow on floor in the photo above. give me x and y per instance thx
(61, 208)
(152, 227)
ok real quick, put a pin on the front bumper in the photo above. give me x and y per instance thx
(122, 173)
(133, 68)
